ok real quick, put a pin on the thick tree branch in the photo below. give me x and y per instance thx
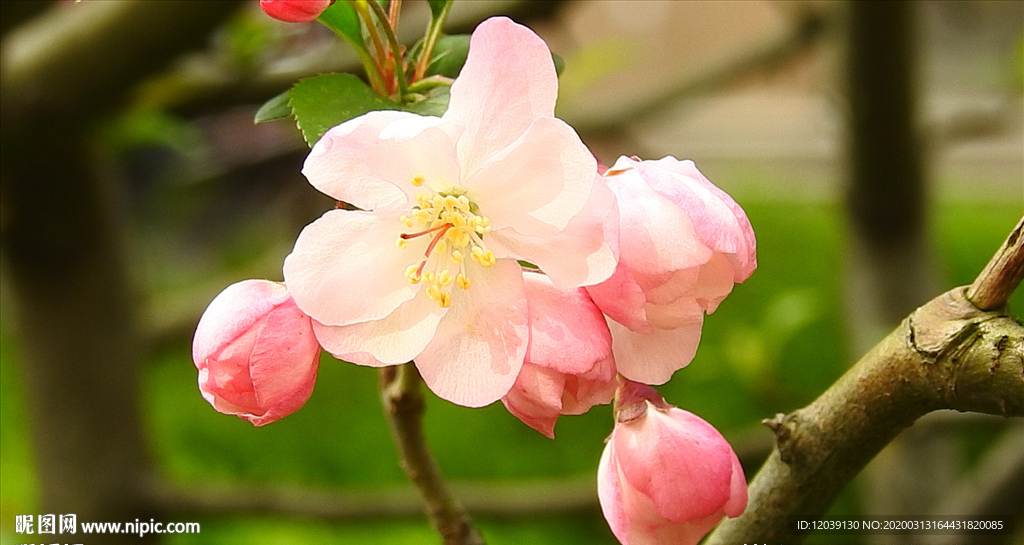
(948, 354)
(402, 395)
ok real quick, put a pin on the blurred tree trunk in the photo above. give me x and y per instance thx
(891, 267)
(63, 247)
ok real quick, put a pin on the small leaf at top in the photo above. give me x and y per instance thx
(275, 108)
(321, 102)
(341, 17)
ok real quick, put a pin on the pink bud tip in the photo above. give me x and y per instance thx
(294, 11)
(256, 353)
(668, 477)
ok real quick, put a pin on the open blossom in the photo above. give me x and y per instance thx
(683, 244)
(569, 366)
(256, 352)
(666, 476)
(294, 11)
(427, 269)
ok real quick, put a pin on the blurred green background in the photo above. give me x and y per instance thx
(210, 200)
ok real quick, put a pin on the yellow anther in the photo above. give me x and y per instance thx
(486, 258)
(410, 274)
(434, 292)
(455, 230)
(445, 279)
(417, 180)
(401, 243)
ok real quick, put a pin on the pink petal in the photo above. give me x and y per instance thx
(666, 453)
(345, 267)
(538, 183)
(609, 493)
(584, 253)
(508, 81)
(256, 353)
(660, 236)
(536, 398)
(622, 299)
(651, 358)
(568, 333)
(369, 161)
(595, 387)
(719, 222)
(234, 312)
(480, 344)
(397, 338)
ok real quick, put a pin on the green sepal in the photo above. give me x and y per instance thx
(449, 55)
(434, 103)
(321, 102)
(275, 108)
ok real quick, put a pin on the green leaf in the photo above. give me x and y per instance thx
(341, 18)
(435, 103)
(321, 102)
(437, 7)
(449, 55)
(275, 108)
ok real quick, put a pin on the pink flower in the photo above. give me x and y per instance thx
(569, 366)
(683, 244)
(256, 352)
(294, 11)
(427, 270)
(666, 477)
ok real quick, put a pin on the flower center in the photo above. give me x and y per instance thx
(455, 230)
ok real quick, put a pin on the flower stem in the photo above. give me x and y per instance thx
(433, 32)
(396, 53)
(402, 396)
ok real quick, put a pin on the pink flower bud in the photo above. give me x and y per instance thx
(256, 352)
(683, 244)
(569, 366)
(294, 11)
(667, 477)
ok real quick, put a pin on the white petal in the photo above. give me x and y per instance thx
(397, 338)
(345, 267)
(538, 183)
(651, 358)
(582, 254)
(480, 344)
(508, 81)
(370, 160)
